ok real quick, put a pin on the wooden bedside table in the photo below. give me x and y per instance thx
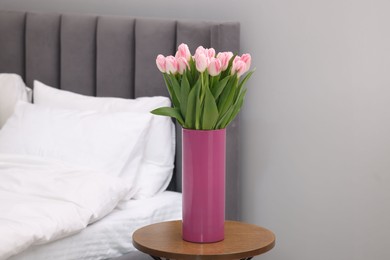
(164, 240)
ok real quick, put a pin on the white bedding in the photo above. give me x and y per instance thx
(111, 236)
(42, 200)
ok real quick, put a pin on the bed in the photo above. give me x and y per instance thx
(111, 56)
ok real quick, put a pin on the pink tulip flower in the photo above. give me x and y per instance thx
(241, 64)
(247, 59)
(200, 50)
(183, 51)
(214, 68)
(224, 58)
(209, 53)
(203, 57)
(171, 65)
(201, 62)
(160, 61)
(182, 65)
(238, 67)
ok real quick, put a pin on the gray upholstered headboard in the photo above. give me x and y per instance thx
(112, 56)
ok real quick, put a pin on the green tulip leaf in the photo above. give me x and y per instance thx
(176, 87)
(219, 87)
(185, 90)
(169, 111)
(243, 81)
(237, 107)
(214, 81)
(198, 105)
(194, 72)
(224, 120)
(191, 106)
(188, 74)
(210, 113)
(175, 100)
(227, 95)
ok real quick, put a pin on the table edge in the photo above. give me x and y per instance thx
(238, 255)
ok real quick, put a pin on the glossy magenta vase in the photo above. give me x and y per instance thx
(204, 153)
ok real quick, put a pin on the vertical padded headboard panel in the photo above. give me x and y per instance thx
(43, 37)
(78, 53)
(153, 37)
(194, 33)
(112, 56)
(12, 44)
(115, 57)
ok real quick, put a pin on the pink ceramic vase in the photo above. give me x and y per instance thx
(203, 185)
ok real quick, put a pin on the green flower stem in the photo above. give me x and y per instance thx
(202, 87)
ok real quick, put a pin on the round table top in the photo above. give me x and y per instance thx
(241, 241)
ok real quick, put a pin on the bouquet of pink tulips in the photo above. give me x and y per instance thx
(207, 90)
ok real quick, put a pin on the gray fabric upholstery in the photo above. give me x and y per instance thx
(78, 53)
(12, 44)
(152, 38)
(112, 56)
(43, 37)
(115, 57)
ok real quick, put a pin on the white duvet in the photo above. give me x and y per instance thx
(42, 200)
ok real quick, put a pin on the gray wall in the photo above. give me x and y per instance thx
(316, 123)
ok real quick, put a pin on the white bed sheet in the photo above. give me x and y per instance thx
(111, 236)
(43, 200)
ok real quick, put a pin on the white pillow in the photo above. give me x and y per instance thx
(158, 161)
(12, 89)
(109, 142)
